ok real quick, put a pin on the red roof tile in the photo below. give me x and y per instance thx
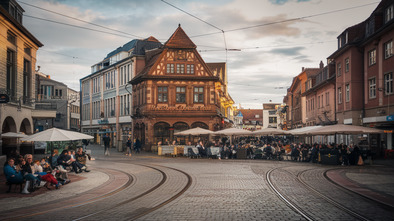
(179, 40)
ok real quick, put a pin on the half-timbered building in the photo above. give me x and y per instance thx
(175, 91)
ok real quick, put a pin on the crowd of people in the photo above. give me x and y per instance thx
(52, 171)
(279, 149)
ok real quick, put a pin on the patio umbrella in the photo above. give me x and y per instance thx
(344, 129)
(233, 131)
(270, 132)
(303, 130)
(55, 134)
(13, 135)
(194, 131)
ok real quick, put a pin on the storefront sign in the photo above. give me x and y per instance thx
(4, 98)
(388, 131)
(390, 118)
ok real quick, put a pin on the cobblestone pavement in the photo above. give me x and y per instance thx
(220, 190)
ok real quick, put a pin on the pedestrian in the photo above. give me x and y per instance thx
(106, 141)
(128, 146)
(137, 145)
(85, 144)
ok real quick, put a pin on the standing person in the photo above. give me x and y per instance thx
(106, 141)
(128, 146)
(85, 144)
(137, 146)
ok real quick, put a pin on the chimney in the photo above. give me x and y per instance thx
(303, 68)
(321, 65)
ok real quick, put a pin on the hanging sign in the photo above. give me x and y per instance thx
(4, 98)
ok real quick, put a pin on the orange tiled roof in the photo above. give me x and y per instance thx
(250, 114)
(179, 40)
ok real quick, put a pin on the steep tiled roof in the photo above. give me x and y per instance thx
(179, 40)
(250, 115)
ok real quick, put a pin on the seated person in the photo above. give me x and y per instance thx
(65, 160)
(81, 158)
(28, 173)
(12, 175)
(53, 158)
(268, 151)
(201, 149)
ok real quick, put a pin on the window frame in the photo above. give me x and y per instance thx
(372, 57)
(339, 69)
(170, 68)
(389, 13)
(372, 88)
(339, 95)
(388, 90)
(347, 65)
(190, 69)
(388, 51)
(180, 94)
(162, 96)
(347, 92)
(198, 94)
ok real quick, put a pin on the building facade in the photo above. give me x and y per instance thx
(296, 100)
(250, 119)
(18, 48)
(176, 91)
(270, 115)
(320, 97)
(378, 66)
(106, 95)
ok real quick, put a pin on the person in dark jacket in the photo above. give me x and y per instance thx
(107, 142)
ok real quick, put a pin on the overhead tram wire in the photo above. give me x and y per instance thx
(214, 26)
(76, 26)
(287, 20)
(77, 19)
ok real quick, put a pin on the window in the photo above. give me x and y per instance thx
(347, 91)
(339, 95)
(180, 94)
(388, 49)
(339, 69)
(11, 38)
(327, 98)
(162, 94)
(318, 101)
(388, 82)
(347, 63)
(272, 120)
(198, 95)
(11, 73)
(389, 13)
(190, 69)
(180, 68)
(372, 88)
(372, 57)
(26, 80)
(170, 68)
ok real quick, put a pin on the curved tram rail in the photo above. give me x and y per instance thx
(298, 209)
(144, 212)
(136, 215)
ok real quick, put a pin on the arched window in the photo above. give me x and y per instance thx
(180, 126)
(200, 124)
(161, 132)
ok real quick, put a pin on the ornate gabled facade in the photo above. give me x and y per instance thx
(175, 91)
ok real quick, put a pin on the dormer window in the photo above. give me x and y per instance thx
(389, 13)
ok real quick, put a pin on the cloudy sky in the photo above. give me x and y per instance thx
(268, 41)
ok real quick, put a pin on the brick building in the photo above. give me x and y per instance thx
(175, 91)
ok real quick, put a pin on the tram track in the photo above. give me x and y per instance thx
(300, 209)
(52, 206)
(90, 203)
(142, 212)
